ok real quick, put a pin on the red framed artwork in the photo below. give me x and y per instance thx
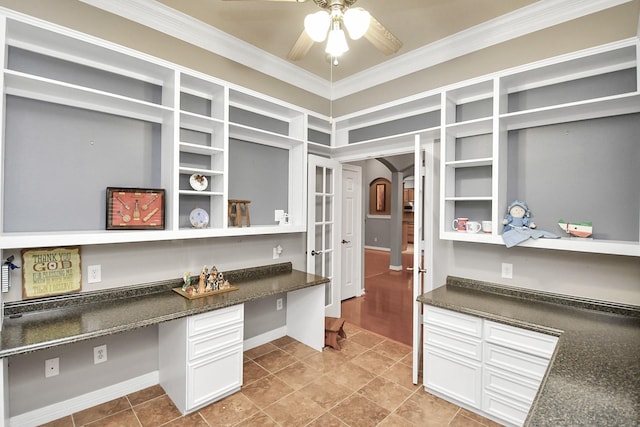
(135, 209)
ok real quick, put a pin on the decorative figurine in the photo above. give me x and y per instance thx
(210, 283)
(577, 229)
(201, 283)
(518, 215)
(518, 226)
(186, 279)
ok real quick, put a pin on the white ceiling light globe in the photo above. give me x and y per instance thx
(337, 42)
(357, 21)
(317, 24)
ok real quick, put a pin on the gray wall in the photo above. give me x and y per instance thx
(134, 354)
(377, 230)
(260, 174)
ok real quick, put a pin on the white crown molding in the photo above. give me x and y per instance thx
(186, 28)
(535, 17)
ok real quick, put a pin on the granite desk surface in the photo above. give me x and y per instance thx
(37, 324)
(594, 375)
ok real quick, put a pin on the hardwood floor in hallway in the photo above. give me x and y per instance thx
(386, 307)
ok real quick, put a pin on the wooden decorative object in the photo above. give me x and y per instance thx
(205, 294)
(237, 210)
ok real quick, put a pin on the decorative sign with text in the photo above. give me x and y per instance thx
(50, 271)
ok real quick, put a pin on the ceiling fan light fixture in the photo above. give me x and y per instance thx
(357, 21)
(317, 24)
(336, 42)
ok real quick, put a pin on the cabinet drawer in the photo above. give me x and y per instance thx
(444, 339)
(520, 339)
(455, 377)
(504, 408)
(452, 320)
(215, 319)
(514, 361)
(514, 386)
(205, 344)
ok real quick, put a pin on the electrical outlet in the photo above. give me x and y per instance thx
(94, 274)
(279, 304)
(507, 270)
(52, 367)
(100, 354)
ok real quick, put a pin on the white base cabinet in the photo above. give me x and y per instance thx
(488, 367)
(200, 357)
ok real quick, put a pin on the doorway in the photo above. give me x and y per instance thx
(386, 306)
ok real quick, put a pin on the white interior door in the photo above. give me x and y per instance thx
(422, 239)
(323, 227)
(351, 226)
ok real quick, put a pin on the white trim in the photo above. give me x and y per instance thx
(186, 28)
(371, 216)
(535, 17)
(377, 248)
(395, 267)
(264, 338)
(62, 409)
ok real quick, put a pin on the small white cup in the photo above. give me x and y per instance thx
(473, 227)
(486, 227)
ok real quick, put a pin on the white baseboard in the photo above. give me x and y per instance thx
(264, 338)
(62, 409)
(395, 267)
(377, 248)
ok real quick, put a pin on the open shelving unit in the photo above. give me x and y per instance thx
(149, 124)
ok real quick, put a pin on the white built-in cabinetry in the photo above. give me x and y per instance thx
(491, 368)
(538, 134)
(81, 115)
(560, 134)
(200, 357)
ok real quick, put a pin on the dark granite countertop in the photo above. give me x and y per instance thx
(43, 323)
(594, 376)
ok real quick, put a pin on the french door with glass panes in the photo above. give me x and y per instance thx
(323, 227)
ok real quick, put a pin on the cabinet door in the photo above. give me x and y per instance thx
(212, 378)
(458, 378)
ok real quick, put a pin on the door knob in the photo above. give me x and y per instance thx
(314, 252)
(344, 242)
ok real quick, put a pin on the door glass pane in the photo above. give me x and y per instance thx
(329, 177)
(328, 209)
(318, 265)
(319, 242)
(328, 267)
(328, 244)
(319, 208)
(319, 179)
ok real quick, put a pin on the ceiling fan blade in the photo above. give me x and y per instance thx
(301, 47)
(382, 38)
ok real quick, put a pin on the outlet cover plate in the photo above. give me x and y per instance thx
(94, 274)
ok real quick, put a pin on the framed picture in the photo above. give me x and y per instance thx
(50, 271)
(135, 209)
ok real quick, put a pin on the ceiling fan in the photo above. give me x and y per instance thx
(330, 22)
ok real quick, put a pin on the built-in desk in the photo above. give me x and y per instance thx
(39, 324)
(592, 377)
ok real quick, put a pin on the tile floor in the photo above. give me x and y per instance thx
(367, 383)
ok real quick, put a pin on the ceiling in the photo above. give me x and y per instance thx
(259, 33)
(274, 26)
